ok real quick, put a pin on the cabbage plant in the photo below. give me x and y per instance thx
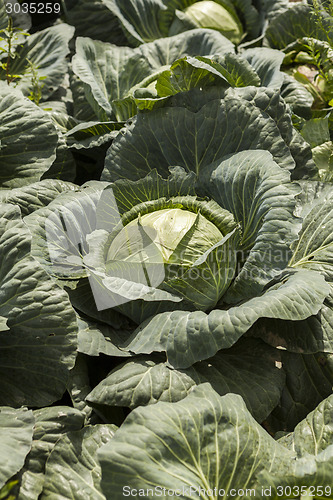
(165, 318)
(209, 256)
(215, 273)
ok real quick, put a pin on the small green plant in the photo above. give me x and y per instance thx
(321, 9)
(313, 62)
(323, 59)
(10, 40)
(36, 86)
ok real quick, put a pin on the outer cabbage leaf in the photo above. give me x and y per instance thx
(72, 470)
(86, 17)
(314, 334)
(59, 112)
(312, 192)
(252, 19)
(314, 434)
(39, 349)
(35, 196)
(192, 140)
(266, 62)
(64, 166)
(111, 72)
(187, 337)
(125, 282)
(85, 108)
(92, 134)
(79, 386)
(98, 338)
(297, 97)
(312, 471)
(204, 441)
(316, 131)
(83, 300)
(16, 428)
(50, 424)
(294, 23)
(323, 157)
(237, 71)
(190, 72)
(272, 105)
(260, 66)
(182, 22)
(97, 64)
(312, 250)
(25, 129)
(309, 380)
(314, 247)
(185, 74)
(311, 474)
(249, 369)
(259, 194)
(139, 19)
(60, 230)
(274, 7)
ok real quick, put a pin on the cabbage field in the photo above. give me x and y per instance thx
(166, 249)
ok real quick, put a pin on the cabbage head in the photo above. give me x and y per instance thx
(212, 15)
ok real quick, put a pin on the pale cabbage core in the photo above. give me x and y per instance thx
(171, 225)
(209, 14)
